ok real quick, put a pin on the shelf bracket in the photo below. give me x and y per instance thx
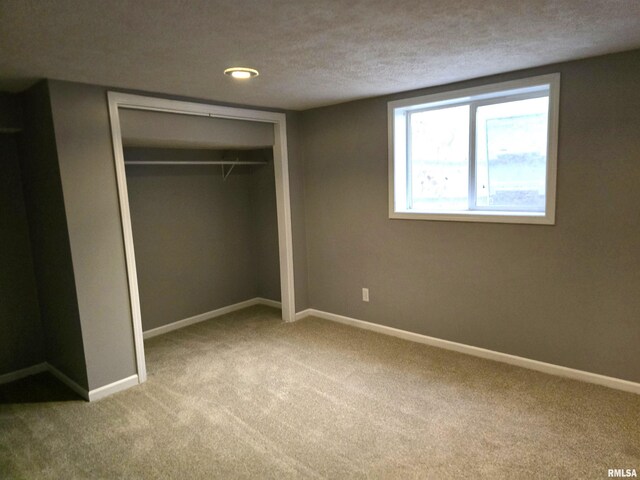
(226, 174)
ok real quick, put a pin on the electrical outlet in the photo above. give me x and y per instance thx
(365, 294)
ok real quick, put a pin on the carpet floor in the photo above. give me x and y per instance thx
(247, 396)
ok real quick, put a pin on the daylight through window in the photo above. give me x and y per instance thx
(482, 154)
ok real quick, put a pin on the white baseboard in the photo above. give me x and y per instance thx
(115, 387)
(267, 302)
(91, 395)
(306, 313)
(154, 332)
(97, 393)
(611, 382)
(83, 392)
(23, 372)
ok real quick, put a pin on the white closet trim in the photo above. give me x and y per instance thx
(280, 159)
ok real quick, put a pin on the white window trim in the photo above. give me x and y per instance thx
(396, 114)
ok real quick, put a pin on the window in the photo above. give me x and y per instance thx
(485, 154)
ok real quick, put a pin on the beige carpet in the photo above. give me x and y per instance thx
(247, 396)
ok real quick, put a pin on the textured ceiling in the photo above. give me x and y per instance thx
(309, 52)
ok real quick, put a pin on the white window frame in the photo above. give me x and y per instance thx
(397, 114)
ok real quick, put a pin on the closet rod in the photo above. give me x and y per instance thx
(228, 162)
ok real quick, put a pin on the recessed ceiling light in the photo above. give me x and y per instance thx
(241, 72)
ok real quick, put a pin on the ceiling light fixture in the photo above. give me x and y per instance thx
(241, 72)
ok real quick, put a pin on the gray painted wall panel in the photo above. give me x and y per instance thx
(20, 329)
(87, 172)
(193, 235)
(565, 294)
(264, 228)
(49, 238)
(159, 129)
(10, 112)
(298, 212)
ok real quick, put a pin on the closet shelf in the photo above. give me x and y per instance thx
(221, 162)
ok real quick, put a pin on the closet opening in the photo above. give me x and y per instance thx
(204, 200)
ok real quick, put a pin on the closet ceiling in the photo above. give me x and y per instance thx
(309, 53)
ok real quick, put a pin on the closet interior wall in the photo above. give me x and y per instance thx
(202, 242)
(21, 343)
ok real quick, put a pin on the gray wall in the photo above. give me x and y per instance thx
(50, 238)
(566, 294)
(264, 230)
(201, 243)
(20, 329)
(159, 129)
(10, 113)
(87, 172)
(298, 210)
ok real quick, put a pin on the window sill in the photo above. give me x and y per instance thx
(527, 218)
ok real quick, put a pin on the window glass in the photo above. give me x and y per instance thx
(439, 159)
(511, 154)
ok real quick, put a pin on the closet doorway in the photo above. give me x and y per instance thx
(137, 104)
